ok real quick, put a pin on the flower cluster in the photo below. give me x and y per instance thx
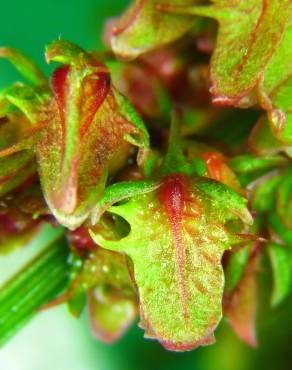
(168, 194)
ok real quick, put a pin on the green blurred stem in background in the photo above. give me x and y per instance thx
(36, 284)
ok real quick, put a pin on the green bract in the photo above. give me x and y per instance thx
(105, 279)
(176, 243)
(81, 129)
(142, 27)
(280, 262)
(252, 61)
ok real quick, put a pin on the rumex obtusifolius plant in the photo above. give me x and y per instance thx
(168, 197)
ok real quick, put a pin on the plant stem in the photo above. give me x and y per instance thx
(35, 285)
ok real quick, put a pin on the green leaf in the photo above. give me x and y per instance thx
(84, 130)
(26, 66)
(139, 138)
(85, 133)
(237, 261)
(248, 163)
(112, 298)
(142, 27)
(105, 278)
(278, 81)
(222, 197)
(120, 191)
(253, 171)
(29, 100)
(263, 191)
(284, 199)
(252, 60)
(176, 243)
(110, 269)
(281, 267)
(18, 167)
(278, 228)
(263, 142)
(16, 170)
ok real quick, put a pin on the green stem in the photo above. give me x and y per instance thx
(35, 285)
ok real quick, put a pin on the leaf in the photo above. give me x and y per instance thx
(110, 318)
(278, 230)
(86, 128)
(26, 67)
(278, 82)
(183, 156)
(263, 191)
(240, 47)
(252, 60)
(120, 191)
(236, 264)
(86, 133)
(262, 139)
(255, 170)
(240, 306)
(142, 27)
(280, 261)
(263, 142)
(18, 129)
(110, 315)
(284, 199)
(104, 277)
(30, 101)
(176, 243)
(248, 163)
(17, 168)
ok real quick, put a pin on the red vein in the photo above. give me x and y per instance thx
(173, 197)
(132, 17)
(59, 85)
(98, 86)
(254, 34)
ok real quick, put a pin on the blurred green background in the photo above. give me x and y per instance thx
(56, 341)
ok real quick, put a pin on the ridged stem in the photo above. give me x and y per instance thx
(36, 284)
